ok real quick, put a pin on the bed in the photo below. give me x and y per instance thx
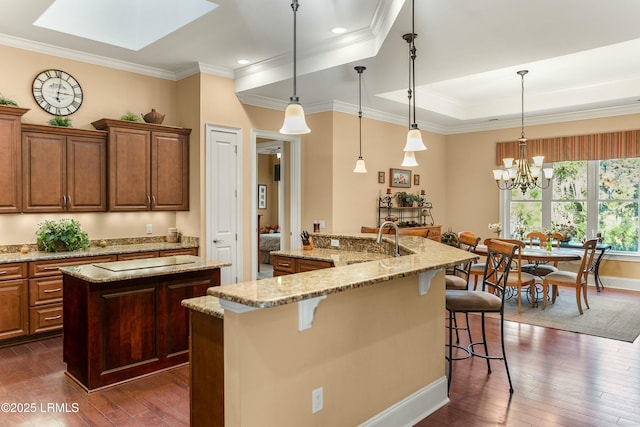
(268, 242)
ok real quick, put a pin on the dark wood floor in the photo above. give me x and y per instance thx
(560, 379)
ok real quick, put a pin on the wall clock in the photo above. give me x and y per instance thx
(57, 92)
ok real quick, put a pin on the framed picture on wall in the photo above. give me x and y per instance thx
(416, 179)
(381, 178)
(262, 196)
(399, 178)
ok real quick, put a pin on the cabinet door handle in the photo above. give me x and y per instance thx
(148, 201)
(50, 291)
(284, 264)
(3, 272)
(68, 200)
(153, 201)
(50, 268)
(54, 317)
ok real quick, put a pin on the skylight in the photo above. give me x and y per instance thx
(124, 23)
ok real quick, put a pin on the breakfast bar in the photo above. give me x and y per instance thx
(362, 342)
(124, 319)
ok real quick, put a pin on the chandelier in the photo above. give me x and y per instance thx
(517, 173)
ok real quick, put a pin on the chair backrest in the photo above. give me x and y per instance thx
(516, 262)
(541, 238)
(500, 255)
(587, 260)
(468, 242)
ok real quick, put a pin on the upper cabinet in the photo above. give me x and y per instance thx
(10, 166)
(64, 169)
(148, 166)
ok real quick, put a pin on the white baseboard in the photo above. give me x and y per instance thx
(410, 410)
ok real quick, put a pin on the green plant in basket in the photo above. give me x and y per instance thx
(60, 121)
(131, 117)
(7, 101)
(61, 235)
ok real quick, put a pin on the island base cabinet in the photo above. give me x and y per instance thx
(120, 330)
(206, 371)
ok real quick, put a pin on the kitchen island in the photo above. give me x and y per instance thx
(365, 337)
(124, 319)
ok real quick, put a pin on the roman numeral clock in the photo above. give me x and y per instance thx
(57, 92)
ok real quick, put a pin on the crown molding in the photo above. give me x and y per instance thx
(75, 55)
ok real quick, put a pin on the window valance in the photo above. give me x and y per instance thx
(600, 146)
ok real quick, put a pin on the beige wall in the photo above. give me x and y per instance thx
(368, 348)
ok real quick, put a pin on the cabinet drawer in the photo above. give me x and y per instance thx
(308, 265)
(137, 255)
(46, 318)
(175, 252)
(284, 264)
(16, 270)
(50, 267)
(45, 290)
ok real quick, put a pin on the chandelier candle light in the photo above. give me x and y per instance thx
(294, 121)
(517, 173)
(360, 166)
(414, 137)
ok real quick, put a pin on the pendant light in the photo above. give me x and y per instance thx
(414, 137)
(294, 121)
(360, 167)
(518, 173)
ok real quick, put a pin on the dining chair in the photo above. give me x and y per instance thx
(577, 280)
(458, 278)
(519, 279)
(490, 299)
(541, 269)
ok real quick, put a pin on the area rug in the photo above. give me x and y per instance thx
(610, 316)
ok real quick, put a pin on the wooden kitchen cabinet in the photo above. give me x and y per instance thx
(10, 159)
(283, 265)
(148, 166)
(65, 170)
(14, 290)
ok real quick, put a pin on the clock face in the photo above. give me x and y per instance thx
(57, 92)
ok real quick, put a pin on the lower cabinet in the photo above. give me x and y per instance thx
(283, 265)
(14, 290)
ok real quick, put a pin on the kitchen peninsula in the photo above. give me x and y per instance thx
(366, 335)
(124, 319)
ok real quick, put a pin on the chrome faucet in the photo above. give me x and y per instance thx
(379, 238)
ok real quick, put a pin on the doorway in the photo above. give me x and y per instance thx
(275, 219)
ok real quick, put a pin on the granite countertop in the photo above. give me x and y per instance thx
(93, 251)
(105, 272)
(337, 256)
(206, 304)
(422, 255)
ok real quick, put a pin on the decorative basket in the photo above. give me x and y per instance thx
(153, 117)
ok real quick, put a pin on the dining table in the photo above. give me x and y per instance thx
(537, 254)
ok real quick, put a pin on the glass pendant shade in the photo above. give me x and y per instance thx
(414, 141)
(409, 159)
(294, 121)
(360, 167)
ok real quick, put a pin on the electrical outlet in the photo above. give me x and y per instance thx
(322, 224)
(335, 242)
(149, 228)
(316, 400)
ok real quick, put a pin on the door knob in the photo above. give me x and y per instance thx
(216, 241)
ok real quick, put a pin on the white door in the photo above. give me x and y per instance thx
(222, 201)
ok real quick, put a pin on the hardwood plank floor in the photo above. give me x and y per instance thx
(560, 379)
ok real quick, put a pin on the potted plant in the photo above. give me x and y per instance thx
(406, 199)
(131, 117)
(60, 121)
(7, 101)
(61, 235)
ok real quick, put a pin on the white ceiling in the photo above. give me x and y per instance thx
(582, 56)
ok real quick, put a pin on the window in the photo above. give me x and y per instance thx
(596, 197)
